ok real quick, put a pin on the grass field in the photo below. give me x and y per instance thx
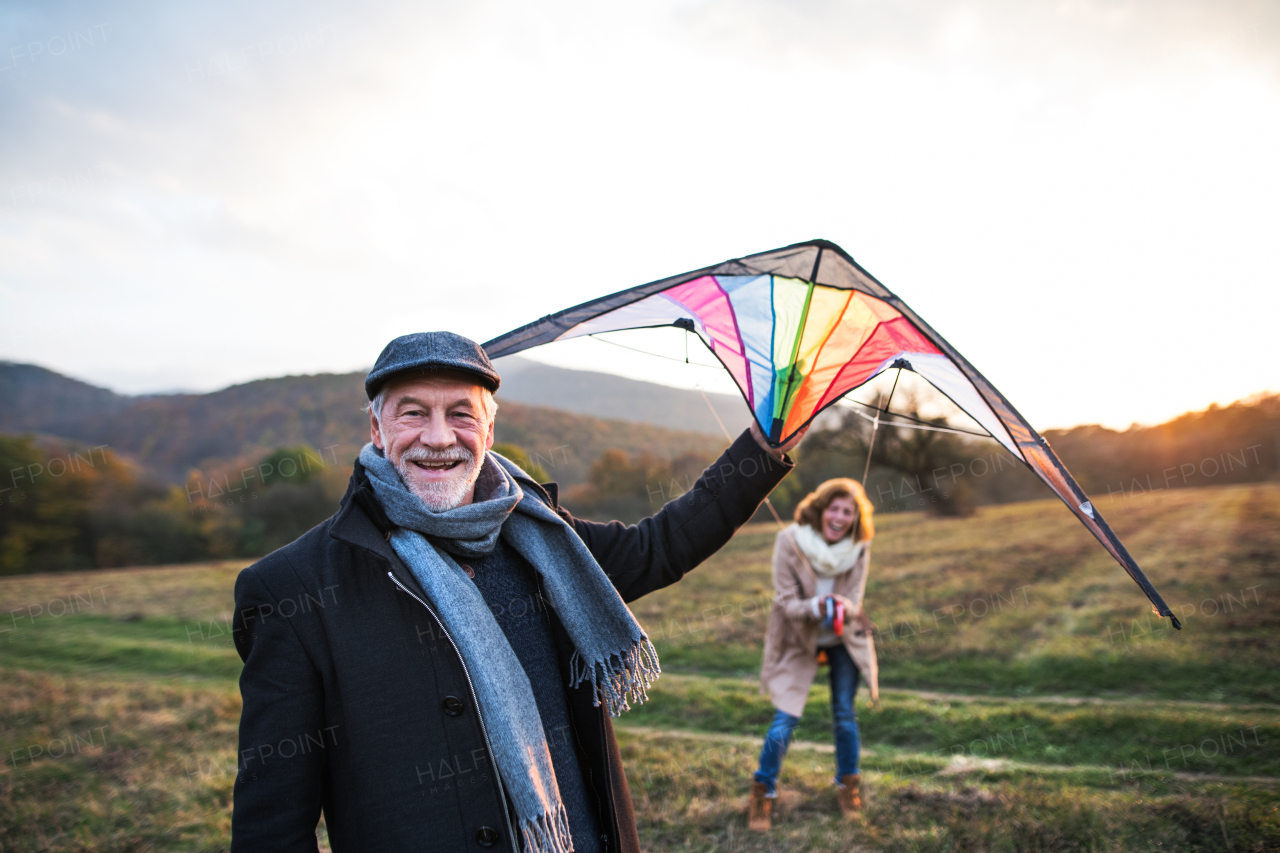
(1029, 702)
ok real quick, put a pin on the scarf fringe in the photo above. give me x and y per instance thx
(548, 833)
(622, 679)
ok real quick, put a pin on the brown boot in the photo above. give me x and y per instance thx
(850, 795)
(760, 814)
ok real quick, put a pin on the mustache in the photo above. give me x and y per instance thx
(418, 453)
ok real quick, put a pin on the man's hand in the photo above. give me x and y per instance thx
(776, 452)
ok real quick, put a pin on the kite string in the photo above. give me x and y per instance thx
(919, 426)
(659, 355)
(729, 437)
(875, 426)
(714, 413)
(924, 424)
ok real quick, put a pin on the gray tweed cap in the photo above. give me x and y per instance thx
(431, 351)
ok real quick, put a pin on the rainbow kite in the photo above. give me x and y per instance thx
(798, 328)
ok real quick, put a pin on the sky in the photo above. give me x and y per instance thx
(1082, 196)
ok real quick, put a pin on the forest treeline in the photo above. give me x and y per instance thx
(168, 435)
(69, 506)
(950, 474)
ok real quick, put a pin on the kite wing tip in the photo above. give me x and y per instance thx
(1174, 619)
(1166, 612)
(825, 244)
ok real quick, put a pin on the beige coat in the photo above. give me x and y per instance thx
(791, 642)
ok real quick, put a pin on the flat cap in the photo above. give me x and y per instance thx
(431, 351)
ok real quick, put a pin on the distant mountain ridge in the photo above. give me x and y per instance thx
(34, 398)
(171, 434)
(604, 395)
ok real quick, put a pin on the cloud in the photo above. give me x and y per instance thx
(1107, 36)
(210, 193)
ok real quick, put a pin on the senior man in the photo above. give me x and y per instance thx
(435, 666)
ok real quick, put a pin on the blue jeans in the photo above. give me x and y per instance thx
(844, 684)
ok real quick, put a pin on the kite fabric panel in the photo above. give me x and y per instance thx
(798, 328)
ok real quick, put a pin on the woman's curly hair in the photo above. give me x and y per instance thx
(816, 502)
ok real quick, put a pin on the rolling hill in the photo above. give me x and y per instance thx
(585, 413)
(604, 395)
(170, 434)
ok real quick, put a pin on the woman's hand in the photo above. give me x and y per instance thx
(839, 599)
(848, 605)
(863, 622)
(855, 616)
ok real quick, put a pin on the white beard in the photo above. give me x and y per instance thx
(443, 495)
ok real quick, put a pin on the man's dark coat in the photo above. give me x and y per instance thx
(357, 702)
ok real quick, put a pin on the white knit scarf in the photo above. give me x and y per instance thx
(828, 560)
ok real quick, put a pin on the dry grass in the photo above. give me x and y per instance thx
(1021, 600)
(133, 671)
(201, 591)
(690, 796)
(106, 765)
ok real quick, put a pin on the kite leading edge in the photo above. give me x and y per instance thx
(798, 328)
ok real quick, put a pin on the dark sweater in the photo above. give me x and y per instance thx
(510, 588)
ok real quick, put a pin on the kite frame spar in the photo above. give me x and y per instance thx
(821, 262)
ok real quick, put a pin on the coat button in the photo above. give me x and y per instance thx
(453, 706)
(486, 836)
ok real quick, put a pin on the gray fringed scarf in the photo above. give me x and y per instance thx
(611, 650)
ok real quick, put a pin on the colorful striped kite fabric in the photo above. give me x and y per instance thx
(798, 328)
(794, 347)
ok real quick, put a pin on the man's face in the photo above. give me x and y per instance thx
(435, 430)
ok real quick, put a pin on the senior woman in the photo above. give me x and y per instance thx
(818, 562)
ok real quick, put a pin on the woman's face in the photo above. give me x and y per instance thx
(838, 518)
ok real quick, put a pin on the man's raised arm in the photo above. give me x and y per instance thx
(658, 551)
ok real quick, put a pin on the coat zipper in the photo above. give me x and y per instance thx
(515, 839)
(608, 782)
